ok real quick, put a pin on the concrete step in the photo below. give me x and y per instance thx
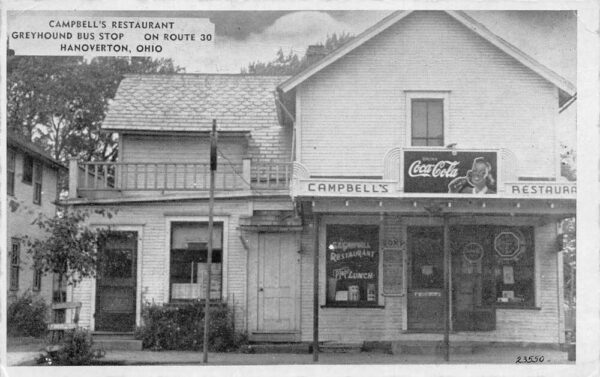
(276, 348)
(341, 347)
(430, 347)
(117, 343)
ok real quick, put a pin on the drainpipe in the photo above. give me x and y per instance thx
(316, 290)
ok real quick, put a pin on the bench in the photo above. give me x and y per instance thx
(59, 319)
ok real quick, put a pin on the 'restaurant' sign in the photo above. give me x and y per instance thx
(541, 189)
(453, 172)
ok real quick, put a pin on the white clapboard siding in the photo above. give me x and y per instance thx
(162, 149)
(353, 111)
(154, 253)
(267, 141)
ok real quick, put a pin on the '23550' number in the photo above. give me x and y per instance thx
(529, 359)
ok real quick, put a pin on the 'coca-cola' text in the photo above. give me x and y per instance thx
(440, 169)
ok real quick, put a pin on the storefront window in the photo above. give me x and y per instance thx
(352, 265)
(514, 266)
(188, 268)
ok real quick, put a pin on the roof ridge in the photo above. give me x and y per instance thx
(201, 74)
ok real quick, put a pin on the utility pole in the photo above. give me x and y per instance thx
(211, 205)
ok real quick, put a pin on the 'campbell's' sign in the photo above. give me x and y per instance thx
(452, 172)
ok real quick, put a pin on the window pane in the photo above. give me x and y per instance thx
(435, 142)
(38, 171)
(419, 118)
(10, 183)
(419, 142)
(11, 161)
(352, 264)
(435, 119)
(188, 257)
(27, 169)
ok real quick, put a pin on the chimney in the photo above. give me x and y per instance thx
(315, 53)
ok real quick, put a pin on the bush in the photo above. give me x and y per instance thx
(27, 315)
(181, 327)
(75, 349)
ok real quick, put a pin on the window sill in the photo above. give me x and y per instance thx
(512, 307)
(351, 306)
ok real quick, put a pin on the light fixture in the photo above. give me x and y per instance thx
(347, 203)
(313, 203)
(552, 205)
(483, 205)
(380, 203)
(415, 204)
(449, 204)
(518, 205)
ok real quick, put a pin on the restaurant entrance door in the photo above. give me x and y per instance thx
(425, 246)
(472, 279)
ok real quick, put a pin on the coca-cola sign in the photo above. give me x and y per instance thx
(454, 172)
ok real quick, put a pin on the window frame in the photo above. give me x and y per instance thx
(15, 263)
(37, 179)
(11, 167)
(37, 280)
(224, 220)
(27, 161)
(444, 96)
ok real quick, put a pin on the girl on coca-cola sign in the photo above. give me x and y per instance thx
(478, 180)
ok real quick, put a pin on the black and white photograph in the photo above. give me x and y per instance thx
(302, 184)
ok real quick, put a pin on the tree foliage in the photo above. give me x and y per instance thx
(291, 63)
(67, 246)
(60, 102)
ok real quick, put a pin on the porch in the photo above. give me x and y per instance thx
(97, 180)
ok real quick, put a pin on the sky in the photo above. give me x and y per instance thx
(243, 37)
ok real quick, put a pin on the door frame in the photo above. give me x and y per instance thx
(409, 266)
(138, 283)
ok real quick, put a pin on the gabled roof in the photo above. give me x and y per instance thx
(17, 141)
(189, 102)
(560, 82)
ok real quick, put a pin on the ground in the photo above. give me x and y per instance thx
(22, 351)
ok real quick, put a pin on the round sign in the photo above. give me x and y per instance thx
(472, 252)
(509, 244)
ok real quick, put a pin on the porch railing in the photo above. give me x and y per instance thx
(176, 176)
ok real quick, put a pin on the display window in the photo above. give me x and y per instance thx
(352, 265)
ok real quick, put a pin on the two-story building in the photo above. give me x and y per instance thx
(32, 182)
(424, 193)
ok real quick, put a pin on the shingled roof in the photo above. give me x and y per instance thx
(189, 102)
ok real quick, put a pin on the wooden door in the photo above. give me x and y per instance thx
(277, 282)
(116, 283)
(425, 278)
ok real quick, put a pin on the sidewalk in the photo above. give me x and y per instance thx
(494, 355)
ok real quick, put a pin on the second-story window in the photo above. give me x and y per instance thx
(10, 171)
(27, 169)
(37, 183)
(427, 122)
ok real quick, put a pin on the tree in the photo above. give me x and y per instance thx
(291, 63)
(568, 163)
(60, 102)
(67, 246)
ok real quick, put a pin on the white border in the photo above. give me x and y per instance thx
(588, 67)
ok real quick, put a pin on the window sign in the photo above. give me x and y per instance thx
(352, 264)
(453, 172)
